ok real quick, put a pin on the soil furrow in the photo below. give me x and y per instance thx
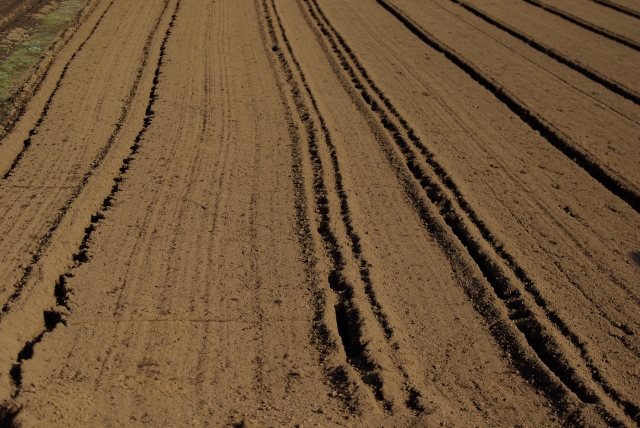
(212, 249)
(339, 188)
(437, 227)
(323, 212)
(539, 338)
(435, 185)
(625, 400)
(549, 211)
(618, 8)
(322, 337)
(611, 85)
(434, 181)
(45, 240)
(47, 105)
(586, 25)
(54, 316)
(595, 120)
(416, 354)
(555, 138)
(337, 281)
(348, 317)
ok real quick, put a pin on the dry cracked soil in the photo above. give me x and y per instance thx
(325, 213)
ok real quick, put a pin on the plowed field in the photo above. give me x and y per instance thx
(327, 213)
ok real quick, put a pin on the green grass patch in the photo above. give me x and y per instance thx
(28, 53)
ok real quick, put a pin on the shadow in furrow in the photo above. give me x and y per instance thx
(56, 315)
(560, 142)
(8, 415)
(412, 402)
(538, 338)
(618, 8)
(345, 213)
(585, 71)
(497, 280)
(102, 154)
(586, 25)
(321, 336)
(52, 317)
(348, 318)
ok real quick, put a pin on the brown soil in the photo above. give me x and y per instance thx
(326, 212)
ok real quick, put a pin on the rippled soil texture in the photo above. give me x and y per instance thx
(327, 212)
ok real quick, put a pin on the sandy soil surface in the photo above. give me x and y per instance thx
(327, 213)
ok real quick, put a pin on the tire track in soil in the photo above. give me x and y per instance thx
(221, 164)
(348, 315)
(449, 183)
(259, 377)
(300, 209)
(149, 115)
(45, 240)
(57, 315)
(586, 25)
(525, 115)
(556, 138)
(450, 202)
(27, 143)
(321, 336)
(618, 8)
(184, 201)
(218, 197)
(413, 395)
(613, 86)
(351, 332)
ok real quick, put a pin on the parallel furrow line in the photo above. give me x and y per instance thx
(348, 315)
(27, 143)
(618, 8)
(432, 182)
(322, 337)
(615, 87)
(586, 25)
(439, 170)
(412, 393)
(630, 408)
(97, 161)
(557, 139)
(58, 314)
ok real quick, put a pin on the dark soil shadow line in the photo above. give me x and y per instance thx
(56, 315)
(8, 413)
(348, 317)
(594, 75)
(617, 7)
(635, 255)
(536, 335)
(560, 141)
(584, 24)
